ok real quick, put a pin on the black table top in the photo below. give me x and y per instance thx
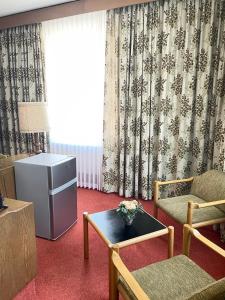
(115, 230)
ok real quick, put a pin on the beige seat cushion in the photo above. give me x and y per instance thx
(176, 207)
(214, 291)
(210, 186)
(171, 279)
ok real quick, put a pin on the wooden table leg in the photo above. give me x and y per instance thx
(186, 240)
(170, 241)
(85, 235)
(113, 276)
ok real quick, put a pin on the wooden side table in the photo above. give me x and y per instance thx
(7, 181)
(17, 247)
(111, 229)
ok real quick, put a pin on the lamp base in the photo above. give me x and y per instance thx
(38, 152)
(37, 144)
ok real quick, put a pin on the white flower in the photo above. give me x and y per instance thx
(130, 205)
(129, 208)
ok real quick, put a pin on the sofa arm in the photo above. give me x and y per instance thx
(128, 277)
(189, 231)
(158, 183)
(157, 192)
(193, 205)
(174, 181)
(211, 203)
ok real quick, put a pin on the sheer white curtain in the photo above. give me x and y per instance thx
(75, 62)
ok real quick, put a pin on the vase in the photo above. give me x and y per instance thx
(128, 221)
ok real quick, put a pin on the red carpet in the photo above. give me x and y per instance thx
(64, 275)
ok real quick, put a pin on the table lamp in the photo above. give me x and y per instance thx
(33, 118)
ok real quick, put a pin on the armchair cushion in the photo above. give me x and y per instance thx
(171, 279)
(214, 291)
(210, 186)
(176, 207)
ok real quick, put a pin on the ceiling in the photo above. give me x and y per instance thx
(11, 7)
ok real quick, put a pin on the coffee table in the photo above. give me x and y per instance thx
(112, 230)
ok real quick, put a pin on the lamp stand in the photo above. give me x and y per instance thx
(37, 143)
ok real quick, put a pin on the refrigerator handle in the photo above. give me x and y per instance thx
(62, 187)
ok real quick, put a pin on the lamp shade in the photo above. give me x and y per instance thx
(33, 117)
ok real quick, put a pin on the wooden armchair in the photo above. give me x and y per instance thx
(204, 205)
(175, 278)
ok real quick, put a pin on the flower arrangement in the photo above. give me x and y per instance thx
(127, 209)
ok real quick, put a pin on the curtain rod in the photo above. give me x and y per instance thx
(63, 10)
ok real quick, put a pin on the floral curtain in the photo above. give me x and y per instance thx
(164, 112)
(21, 79)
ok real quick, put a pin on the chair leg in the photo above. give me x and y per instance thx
(155, 198)
(170, 241)
(186, 240)
(85, 235)
(113, 277)
(155, 211)
(190, 212)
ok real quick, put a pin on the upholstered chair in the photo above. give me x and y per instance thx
(175, 278)
(204, 205)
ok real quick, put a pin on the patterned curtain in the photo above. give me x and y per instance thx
(21, 79)
(164, 112)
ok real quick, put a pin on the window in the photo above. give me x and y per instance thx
(75, 62)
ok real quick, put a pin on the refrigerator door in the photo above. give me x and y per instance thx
(63, 207)
(32, 186)
(60, 174)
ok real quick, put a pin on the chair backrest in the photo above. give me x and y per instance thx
(214, 291)
(210, 186)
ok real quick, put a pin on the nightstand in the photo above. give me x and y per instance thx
(17, 247)
(7, 177)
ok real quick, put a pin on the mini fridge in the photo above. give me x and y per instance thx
(49, 181)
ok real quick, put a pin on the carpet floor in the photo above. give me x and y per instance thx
(63, 274)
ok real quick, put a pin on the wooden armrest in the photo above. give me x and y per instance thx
(194, 232)
(212, 203)
(158, 183)
(192, 205)
(128, 277)
(174, 181)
